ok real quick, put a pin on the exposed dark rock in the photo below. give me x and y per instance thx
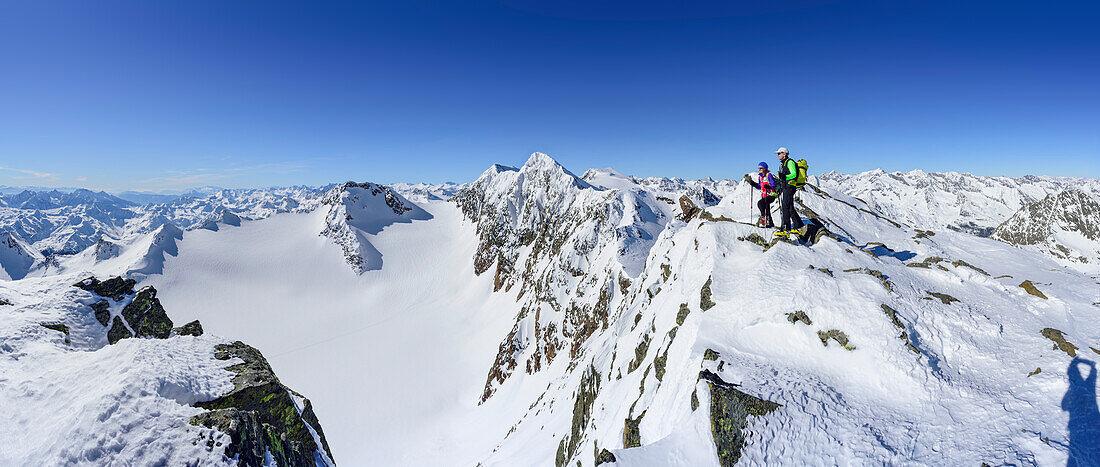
(893, 314)
(632, 436)
(1033, 373)
(839, 336)
(942, 297)
(927, 263)
(666, 272)
(193, 328)
(704, 215)
(659, 364)
(1060, 342)
(961, 263)
(710, 354)
(146, 316)
(930, 261)
(102, 314)
(258, 414)
(826, 271)
(687, 208)
(59, 327)
(757, 239)
(115, 287)
(705, 302)
(1031, 289)
(923, 234)
(624, 284)
(504, 364)
(799, 316)
(118, 331)
(605, 457)
(582, 413)
(4, 302)
(876, 274)
(639, 354)
(682, 314)
(730, 409)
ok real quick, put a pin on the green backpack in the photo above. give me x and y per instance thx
(800, 180)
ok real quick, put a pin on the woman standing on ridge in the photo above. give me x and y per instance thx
(766, 184)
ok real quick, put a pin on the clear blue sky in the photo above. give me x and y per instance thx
(162, 94)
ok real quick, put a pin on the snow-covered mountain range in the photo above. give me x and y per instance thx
(537, 317)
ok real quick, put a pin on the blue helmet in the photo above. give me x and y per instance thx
(764, 165)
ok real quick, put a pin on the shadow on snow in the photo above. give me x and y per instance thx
(1084, 415)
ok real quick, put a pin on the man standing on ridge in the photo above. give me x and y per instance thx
(788, 171)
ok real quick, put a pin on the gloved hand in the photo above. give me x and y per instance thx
(748, 178)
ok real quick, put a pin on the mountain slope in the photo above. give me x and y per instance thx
(17, 258)
(1064, 226)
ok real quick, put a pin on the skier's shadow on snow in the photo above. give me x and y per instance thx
(1084, 415)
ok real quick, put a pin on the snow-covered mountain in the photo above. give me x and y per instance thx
(950, 200)
(357, 211)
(17, 257)
(534, 317)
(1065, 226)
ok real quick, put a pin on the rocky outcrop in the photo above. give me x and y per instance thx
(102, 312)
(193, 328)
(261, 417)
(582, 412)
(1030, 288)
(114, 288)
(146, 316)
(730, 409)
(118, 331)
(1060, 342)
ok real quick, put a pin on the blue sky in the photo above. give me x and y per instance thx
(164, 95)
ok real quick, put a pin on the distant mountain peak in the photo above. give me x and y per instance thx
(1063, 225)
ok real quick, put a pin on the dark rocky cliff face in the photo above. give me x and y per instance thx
(260, 414)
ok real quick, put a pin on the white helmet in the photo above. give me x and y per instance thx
(782, 151)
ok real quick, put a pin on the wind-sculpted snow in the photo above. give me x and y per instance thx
(1064, 226)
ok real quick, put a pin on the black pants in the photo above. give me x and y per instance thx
(790, 218)
(765, 205)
